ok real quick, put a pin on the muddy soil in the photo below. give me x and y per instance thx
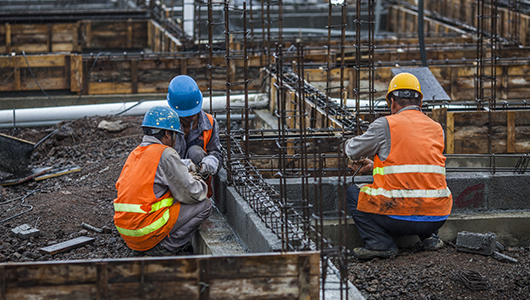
(58, 206)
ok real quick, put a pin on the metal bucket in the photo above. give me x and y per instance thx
(15, 153)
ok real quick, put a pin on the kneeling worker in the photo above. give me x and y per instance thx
(200, 141)
(160, 204)
(409, 195)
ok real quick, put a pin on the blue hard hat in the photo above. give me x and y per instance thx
(184, 96)
(162, 117)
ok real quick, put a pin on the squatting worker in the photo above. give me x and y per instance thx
(160, 203)
(200, 141)
(409, 194)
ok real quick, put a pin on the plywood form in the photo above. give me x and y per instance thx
(53, 72)
(466, 11)
(263, 276)
(73, 37)
(467, 132)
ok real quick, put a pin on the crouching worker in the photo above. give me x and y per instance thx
(200, 141)
(160, 204)
(409, 195)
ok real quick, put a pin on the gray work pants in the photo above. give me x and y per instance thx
(190, 218)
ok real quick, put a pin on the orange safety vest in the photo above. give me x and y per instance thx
(141, 218)
(207, 135)
(411, 181)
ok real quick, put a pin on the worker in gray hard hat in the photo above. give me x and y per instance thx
(160, 203)
(200, 141)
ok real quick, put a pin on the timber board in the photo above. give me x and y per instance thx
(264, 276)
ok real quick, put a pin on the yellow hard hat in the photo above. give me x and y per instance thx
(404, 81)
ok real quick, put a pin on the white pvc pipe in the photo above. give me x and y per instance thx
(46, 116)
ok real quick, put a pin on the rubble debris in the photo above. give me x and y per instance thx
(25, 231)
(477, 243)
(87, 226)
(115, 126)
(65, 246)
(503, 257)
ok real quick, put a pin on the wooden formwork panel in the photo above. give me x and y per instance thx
(52, 72)
(263, 276)
(73, 37)
(466, 11)
(468, 132)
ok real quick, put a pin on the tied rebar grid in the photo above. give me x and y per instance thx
(364, 63)
(329, 59)
(291, 112)
(487, 41)
(343, 117)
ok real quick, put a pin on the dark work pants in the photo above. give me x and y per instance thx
(375, 230)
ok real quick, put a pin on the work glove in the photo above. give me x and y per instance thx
(192, 168)
(208, 166)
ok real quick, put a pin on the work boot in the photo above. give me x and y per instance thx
(185, 249)
(158, 251)
(432, 243)
(363, 253)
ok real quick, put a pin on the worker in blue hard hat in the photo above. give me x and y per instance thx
(160, 202)
(200, 141)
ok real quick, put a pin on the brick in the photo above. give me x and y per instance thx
(26, 234)
(15, 231)
(478, 243)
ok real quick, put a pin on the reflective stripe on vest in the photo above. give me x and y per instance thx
(411, 180)
(137, 208)
(409, 169)
(406, 193)
(147, 229)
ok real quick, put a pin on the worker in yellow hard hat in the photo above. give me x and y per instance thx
(409, 194)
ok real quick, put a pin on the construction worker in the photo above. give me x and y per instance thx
(409, 194)
(160, 204)
(200, 141)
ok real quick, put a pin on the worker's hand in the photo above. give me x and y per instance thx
(192, 168)
(365, 165)
(208, 165)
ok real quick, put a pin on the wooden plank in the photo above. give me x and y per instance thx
(88, 34)
(510, 139)
(76, 72)
(278, 288)
(67, 245)
(449, 137)
(8, 38)
(17, 74)
(50, 35)
(304, 278)
(134, 76)
(98, 88)
(102, 282)
(204, 283)
(76, 291)
(129, 33)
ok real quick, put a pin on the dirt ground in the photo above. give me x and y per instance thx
(58, 206)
